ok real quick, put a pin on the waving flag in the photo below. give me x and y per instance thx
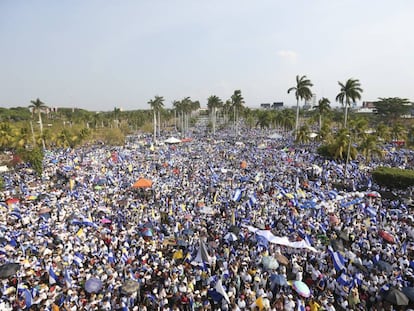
(111, 258)
(78, 259)
(220, 289)
(68, 278)
(53, 278)
(344, 280)
(338, 261)
(28, 299)
(237, 195)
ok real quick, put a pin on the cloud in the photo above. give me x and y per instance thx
(290, 56)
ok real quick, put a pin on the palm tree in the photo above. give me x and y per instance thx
(359, 128)
(350, 92)
(214, 102)
(177, 110)
(323, 108)
(398, 131)
(263, 119)
(38, 106)
(303, 135)
(237, 101)
(302, 91)
(383, 132)
(343, 146)
(156, 104)
(369, 148)
(6, 135)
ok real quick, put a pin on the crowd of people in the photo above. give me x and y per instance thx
(206, 224)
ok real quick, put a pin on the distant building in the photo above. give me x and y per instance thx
(367, 107)
(265, 106)
(274, 106)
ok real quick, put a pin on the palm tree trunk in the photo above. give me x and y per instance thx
(297, 118)
(346, 115)
(159, 123)
(214, 120)
(40, 122)
(155, 127)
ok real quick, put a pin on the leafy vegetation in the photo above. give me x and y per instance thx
(393, 178)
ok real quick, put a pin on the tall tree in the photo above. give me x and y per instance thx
(383, 132)
(349, 93)
(237, 102)
(213, 103)
(323, 108)
(303, 135)
(392, 108)
(38, 107)
(156, 105)
(302, 92)
(369, 148)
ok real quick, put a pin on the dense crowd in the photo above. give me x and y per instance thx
(246, 224)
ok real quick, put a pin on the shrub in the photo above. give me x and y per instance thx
(393, 178)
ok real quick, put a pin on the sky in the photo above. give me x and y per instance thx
(101, 54)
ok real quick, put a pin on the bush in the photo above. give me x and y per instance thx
(34, 157)
(393, 178)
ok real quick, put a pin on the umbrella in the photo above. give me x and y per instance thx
(147, 232)
(396, 297)
(230, 237)
(409, 292)
(277, 279)
(8, 270)
(142, 183)
(12, 201)
(269, 263)
(301, 288)
(282, 259)
(374, 194)
(172, 140)
(388, 237)
(93, 285)
(384, 266)
(130, 287)
(45, 210)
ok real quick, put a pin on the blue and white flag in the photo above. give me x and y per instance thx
(78, 259)
(252, 199)
(300, 305)
(68, 278)
(53, 278)
(338, 261)
(220, 289)
(358, 278)
(237, 195)
(344, 280)
(332, 194)
(28, 299)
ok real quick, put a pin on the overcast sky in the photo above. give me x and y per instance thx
(100, 54)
